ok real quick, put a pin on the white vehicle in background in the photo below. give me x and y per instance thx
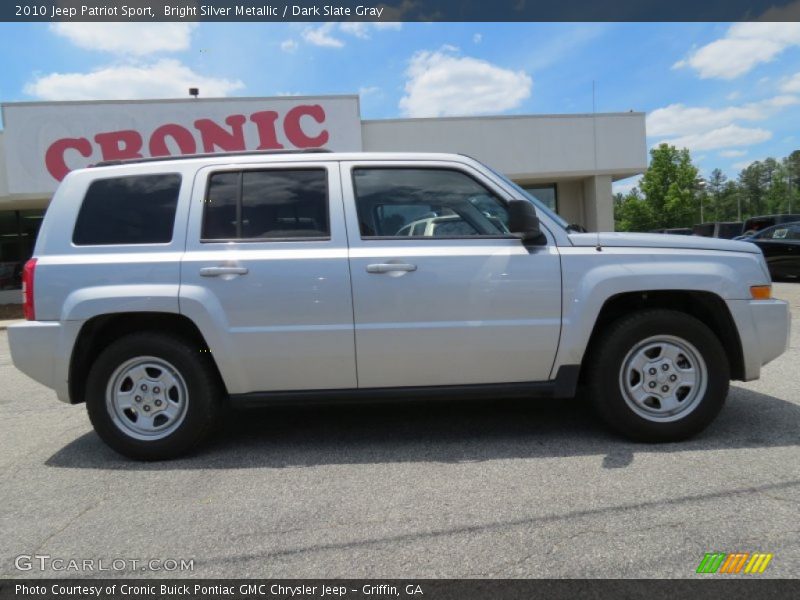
(160, 290)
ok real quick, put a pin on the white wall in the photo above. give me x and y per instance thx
(598, 204)
(570, 200)
(525, 147)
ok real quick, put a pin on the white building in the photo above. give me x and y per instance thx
(567, 161)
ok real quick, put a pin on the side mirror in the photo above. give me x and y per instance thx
(523, 222)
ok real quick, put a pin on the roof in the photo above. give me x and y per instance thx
(163, 164)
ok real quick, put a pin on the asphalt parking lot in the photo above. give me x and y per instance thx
(490, 489)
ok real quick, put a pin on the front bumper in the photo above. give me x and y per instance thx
(764, 329)
(42, 350)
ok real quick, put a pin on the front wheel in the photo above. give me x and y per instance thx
(658, 376)
(151, 396)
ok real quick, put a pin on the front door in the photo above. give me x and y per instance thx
(442, 294)
(266, 271)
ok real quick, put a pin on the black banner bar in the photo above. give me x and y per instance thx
(711, 587)
(399, 10)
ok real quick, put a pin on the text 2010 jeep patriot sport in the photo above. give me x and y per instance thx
(162, 289)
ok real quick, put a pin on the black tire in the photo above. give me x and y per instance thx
(606, 381)
(203, 388)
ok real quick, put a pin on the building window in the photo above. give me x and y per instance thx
(18, 231)
(545, 193)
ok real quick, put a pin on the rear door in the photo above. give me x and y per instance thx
(442, 294)
(266, 270)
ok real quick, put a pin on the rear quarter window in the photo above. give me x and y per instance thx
(128, 210)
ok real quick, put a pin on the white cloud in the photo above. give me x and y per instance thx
(744, 46)
(678, 119)
(167, 78)
(442, 84)
(321, 36)
(358, 29)
(477, 38)
(325, 35)
(138, 39)
(288, 45)
(732, 153)
(791, 85)
(387, 25)
(722, 137)
(368, 90)
(703, 128)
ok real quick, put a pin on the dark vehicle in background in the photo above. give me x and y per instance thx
(724, 230)
(781, 247)
(703, 229)
(673, 231)
(728, 230)
(755, 224)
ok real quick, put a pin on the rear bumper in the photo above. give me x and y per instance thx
(764, 327)
(42, 350)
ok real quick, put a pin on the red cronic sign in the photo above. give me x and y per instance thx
(205, 135)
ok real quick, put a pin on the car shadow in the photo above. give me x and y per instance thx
(444, 431)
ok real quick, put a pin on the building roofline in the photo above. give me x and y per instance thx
(498, 117)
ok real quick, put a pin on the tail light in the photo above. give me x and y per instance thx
(28, 308)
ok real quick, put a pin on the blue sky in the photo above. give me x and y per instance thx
(731, 93)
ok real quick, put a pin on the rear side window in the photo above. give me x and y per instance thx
(267, 205)
(128, 210)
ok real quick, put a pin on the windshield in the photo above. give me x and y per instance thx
(536, 202)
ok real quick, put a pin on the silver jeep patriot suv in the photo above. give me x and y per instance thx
(162, 290)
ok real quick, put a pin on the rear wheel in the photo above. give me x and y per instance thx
(658, 376)
(151, 396)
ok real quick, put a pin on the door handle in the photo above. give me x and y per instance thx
(390, 267)
(217, 271)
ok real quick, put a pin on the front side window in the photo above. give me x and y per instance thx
(429, 203)
(267, 205)
(128, 210)
(778, 234)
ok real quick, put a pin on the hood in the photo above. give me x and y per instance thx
(662, 240)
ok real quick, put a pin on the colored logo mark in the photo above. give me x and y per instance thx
(737, 562)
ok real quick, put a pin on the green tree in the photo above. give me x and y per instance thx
(752, 184)
(776, 195)
(633, 213)
(670, 187)
(792, 165)
(729, 203)
(715, 186)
